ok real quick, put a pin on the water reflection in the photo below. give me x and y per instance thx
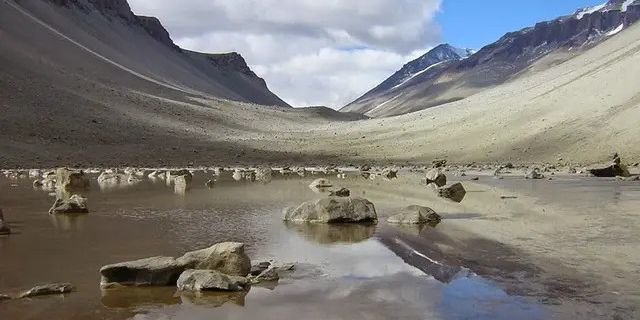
(214, 299)
(133, 297)
(333, 233)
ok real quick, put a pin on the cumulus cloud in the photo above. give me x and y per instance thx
(310, 52)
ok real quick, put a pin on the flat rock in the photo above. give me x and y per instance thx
(47, 289)
(155, 271)
(268, 275)
(333, 210)
(321, 183)
(415, 215)
(227, 257)
(210, 280)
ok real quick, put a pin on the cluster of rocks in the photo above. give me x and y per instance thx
(221, 267)
(436, 179)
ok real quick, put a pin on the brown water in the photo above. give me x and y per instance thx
(343, 272)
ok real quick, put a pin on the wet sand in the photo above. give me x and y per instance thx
(553, 252)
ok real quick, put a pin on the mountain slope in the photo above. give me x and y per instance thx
(506, 59)
(135, 44)
(423, 68)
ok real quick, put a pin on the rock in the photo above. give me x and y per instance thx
(210, 280)
(334, 210)
(455, 192)
(71, 180)
(415, 215)
(390, 173)
(475, 179)
(612, 170)
(4, 297)
(631, 178)
(47, 289)
(34, 173)
(76, 204)
(321, 183)
(4, 229)
(37, 184)
(181, 184)
(342, 192)
(508, 165)
(264, 174)
(439, 163)
(155, 271)
(227, 257)
(210, 184)
(436, 177)
(172, 174)
(534, 174)
(365, 168)
(258, 268)
(267, 275)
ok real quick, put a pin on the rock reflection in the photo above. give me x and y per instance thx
(333, 233)
(132, 297)
(66, 222)
(214, 299)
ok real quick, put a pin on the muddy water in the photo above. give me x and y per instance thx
(343, 272)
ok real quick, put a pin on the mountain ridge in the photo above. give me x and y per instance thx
(505, 59)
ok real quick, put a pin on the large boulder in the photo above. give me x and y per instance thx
(454, 192)
(47, 289)
(155, 271)
(71, 180)
(333, 210)
(436, 177)
(210, 280)
(415, 215)
(614, 169)
(227, 257)
(75, 204)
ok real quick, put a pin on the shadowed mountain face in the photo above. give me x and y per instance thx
(137, 45)
(548, 43)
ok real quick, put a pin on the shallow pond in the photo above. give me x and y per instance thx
(342, 271)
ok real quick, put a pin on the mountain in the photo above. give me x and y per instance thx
(421, 69)
(139, 45)
(550, 42)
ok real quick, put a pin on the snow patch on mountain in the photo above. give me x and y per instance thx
(418, 73)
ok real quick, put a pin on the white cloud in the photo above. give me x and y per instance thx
(310, 52)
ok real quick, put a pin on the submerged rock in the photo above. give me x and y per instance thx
(415, 215)
(76, 204)
(333, 210)
(210, 280)
(436, 177)
(321, 183)
(155, 271)
(47, 289)
(227, 257)
(268, 275)
(259, 267)
(342, 192)
(454, 192)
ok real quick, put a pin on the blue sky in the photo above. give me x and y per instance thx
(474, 23)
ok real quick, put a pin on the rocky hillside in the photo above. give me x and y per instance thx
(138, 45)
(510, 56)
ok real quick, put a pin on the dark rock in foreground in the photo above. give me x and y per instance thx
(47, 289)
(333, 210)
(210, 280)
(614, 169)
(416, 215)
(454, 192)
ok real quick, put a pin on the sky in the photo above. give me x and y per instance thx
(330, 52)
